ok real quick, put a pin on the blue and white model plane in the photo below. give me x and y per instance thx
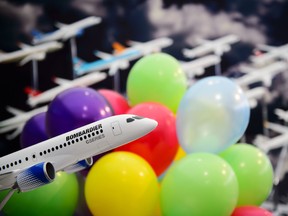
(114, 62)
(35, 166)
(66, 31)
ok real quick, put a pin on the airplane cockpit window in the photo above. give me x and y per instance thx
(128, 120)
(138, 117)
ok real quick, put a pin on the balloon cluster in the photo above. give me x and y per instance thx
(191, 164)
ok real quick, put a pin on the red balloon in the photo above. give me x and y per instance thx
(251, 211)
(118, 102)
(160, 146)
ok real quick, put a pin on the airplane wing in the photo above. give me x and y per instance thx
(61, 81)
(102, 55)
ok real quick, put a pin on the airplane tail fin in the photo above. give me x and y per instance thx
(118, 47)
(78, 61)
(31, 92)
(37, 35)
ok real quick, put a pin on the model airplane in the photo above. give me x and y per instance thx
(267, 144)
(155, 45)
(255, 94)
(264, 75)
(272, 53)
(18, 121)
(218, 46)
(64, 84)
(120, 60)
(197, 66)
(65, 31)
(35, 166)
(28, 53)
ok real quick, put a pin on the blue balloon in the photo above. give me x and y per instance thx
(212, 115)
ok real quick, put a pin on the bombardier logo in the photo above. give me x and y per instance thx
(80, 133)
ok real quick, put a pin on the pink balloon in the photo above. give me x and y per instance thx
(251, 211)
(118, 102)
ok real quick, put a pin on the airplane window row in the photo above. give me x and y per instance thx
(52, 149)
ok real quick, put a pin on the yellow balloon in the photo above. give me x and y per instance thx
(180, 154)
(122, 184)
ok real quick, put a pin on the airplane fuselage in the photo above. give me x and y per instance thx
(76, 145)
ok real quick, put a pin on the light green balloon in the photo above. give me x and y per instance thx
(157, 77)
(200, 184)
(57, 198)
(254, 172)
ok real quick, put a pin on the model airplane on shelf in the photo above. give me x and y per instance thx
(120, 60)
(66, 31)
(155, 45)
(255, 94)
(271, 53)
(218, 46)
(267, 143)
(47, 96)
(35, 166)
(264, 75)
(17, 122)
(197, 66)
(29, 53)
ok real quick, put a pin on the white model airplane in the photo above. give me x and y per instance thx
(197, 67)
(264, 75)
(255, 94)
(218, 46)
(35, 166)
(272, 53)
(28, 53)
(114, 62)
(18, 121)
(64, 84)
(120, 60)
(67, 31)
(155, 45)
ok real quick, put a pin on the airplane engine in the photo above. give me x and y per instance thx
(80, 165)
(36, 176)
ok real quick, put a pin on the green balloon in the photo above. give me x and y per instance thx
(157, 77)
(254, 172)
(57, 198)
(200, 184)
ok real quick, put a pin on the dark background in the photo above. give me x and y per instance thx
(254, 21)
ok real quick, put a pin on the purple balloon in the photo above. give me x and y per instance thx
(34, 131)
(73, 108)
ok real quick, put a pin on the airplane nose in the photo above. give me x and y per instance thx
(150, 125)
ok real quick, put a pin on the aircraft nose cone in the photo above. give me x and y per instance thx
(150, 125)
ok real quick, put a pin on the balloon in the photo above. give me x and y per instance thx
(34, 130)
(73, 108)
(118, 103)
(251, 211)
(180, 154)
(85, 172)
(254, 172)
(199, 184)
(57, 198)
(122, 184)
(213, 114)
(160, 146)
(159, 78)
